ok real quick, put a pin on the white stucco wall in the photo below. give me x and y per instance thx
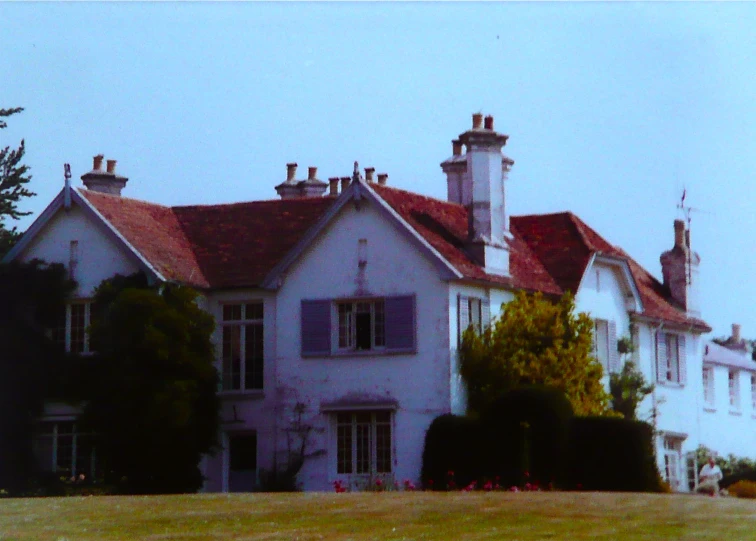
(418, 383)
(98, 255)
(726, 429)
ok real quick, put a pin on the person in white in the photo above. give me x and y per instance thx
(708, 479)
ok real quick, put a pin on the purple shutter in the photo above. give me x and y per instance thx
(661, 358)
(316, 328)
(682, 360)
(614, 360)
(400, 323)
(463, 317)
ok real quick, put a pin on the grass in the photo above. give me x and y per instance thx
(384, 516)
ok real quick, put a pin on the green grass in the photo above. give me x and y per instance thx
(384, 516)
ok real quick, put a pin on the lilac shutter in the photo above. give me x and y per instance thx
(614, 360)
(661, 358)
(485, 314)
(316, 328)
(400, 323)
(463, 316)
(681, 357)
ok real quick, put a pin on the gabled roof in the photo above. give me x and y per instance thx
(244, 244)
(716, 354)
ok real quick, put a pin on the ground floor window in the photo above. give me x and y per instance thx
(242, 461)
(673, 461)
(363, 442)
(61, 448)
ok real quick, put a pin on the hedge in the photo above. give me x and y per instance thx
(453, 444)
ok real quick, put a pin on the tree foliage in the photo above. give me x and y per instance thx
(13, 179)
(32, 295)
(628, 387)
(534, 342)
(152, 388)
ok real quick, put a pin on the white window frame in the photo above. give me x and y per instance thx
(346, 312)
(348, 422)
(733, 387)
(708, 386)
(673, 461)
(672, 358)
(67, 329)
(75, 469)
(753, 392)
(601, 343)
(241, 323)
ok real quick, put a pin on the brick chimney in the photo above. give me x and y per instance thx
(106, 181)
(477, 180)
(680, 271)
(333, 184)
(312, 187)
(382, 178)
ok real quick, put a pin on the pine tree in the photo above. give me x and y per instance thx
(13, 179)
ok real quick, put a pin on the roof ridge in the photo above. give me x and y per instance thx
(85, 192)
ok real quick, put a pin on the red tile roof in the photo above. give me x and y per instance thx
(237, 245)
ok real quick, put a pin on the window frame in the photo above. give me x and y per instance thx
(673, 461)
(66, 329)
(707, 376)
(352, 324)
(74, 469)
(733, 390)
(601, 329)
(671, 370)
(349, 466)
(242, 323)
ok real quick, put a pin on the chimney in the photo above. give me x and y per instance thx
(289, 188)
(477, 180)
(680, 271)
(369, 174)
(312, 173)
(345, 183)
(382, 178)
(101, 181)
(333, 184)
(312, 187)
(735, 333)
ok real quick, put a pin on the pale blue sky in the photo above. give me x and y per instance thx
(611, 107)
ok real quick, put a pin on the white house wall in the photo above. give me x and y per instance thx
(726, 429)
(418, 383)
(98, 256)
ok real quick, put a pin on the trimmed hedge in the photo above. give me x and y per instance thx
(612, 454)
(528, 430)
(453, 444)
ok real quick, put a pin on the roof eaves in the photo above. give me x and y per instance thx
(35, 227)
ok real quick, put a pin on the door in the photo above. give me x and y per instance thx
(242, 461)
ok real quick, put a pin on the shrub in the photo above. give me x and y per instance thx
(527, 431)
(743, 489)
(612, 454)
(453, 444)
(727, 480)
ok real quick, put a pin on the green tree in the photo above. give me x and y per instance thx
(151, 390)
(628, 387)
(13, 179)
(534, 342)
(32, 295)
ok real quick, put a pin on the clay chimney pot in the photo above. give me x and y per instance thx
(488, 122)
(477, 120)
(111, 166)
(736, 333)
(679, 233)
(291, 172)
(345, 183)
(369, 173)
(312, 173)
(382, 178)
(97, 162)
(457, 148)
(333, 184)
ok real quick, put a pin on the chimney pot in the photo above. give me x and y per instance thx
(333, 184)
(97, 162)
(477, 119)
(382, 178)
(291, 171)
(369, 173)
(312, 173)
(736, 333)
(457, 148)
(345, 183)
(488, 122)
(111, 166)
(680, 234)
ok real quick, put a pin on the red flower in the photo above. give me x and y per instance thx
(378, 482)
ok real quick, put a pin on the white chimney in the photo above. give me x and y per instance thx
(101, 181)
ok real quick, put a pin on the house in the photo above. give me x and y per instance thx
(339, 314)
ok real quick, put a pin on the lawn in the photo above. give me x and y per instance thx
(384, 516)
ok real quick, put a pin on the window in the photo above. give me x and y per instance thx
(62, 449)
(384, 325)
(242, 355)
(473, 311)
(733, 385)
(362, 325)
(70, 331)
(708, 385)
(363, 442)
(672, 461)
(670, 358)
(605, 345)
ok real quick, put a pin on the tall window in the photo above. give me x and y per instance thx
(670, 357)
(242, 355)
(672, 460)
(363, 442)
(473, 311)
(362, 325)
(708, 385)
(62, 449)
(733, 384)
(70, 331)
(673, 357)
(601, 342)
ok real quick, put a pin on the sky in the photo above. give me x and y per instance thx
(612, 108)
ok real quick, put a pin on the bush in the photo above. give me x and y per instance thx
(743, 489)
(527, 431)
(727, 480)
(612, 454)
(453, 444)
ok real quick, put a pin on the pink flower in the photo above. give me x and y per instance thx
(527, 473)
(488, 486)
(378, 483)
(514, 489)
